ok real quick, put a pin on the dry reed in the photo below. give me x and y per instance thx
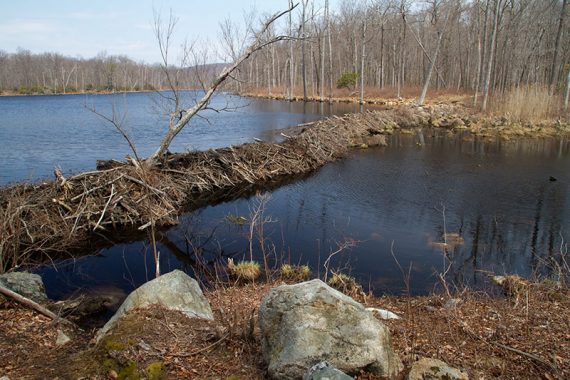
(528, 103)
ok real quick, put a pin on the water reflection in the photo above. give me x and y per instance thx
(508, 215)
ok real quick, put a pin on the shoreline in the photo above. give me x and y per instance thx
(488, 335)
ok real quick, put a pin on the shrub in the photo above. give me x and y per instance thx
(295, 273)
(244, 270)
(347, 80)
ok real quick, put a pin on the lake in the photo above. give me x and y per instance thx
(504, 205)
(39, 132)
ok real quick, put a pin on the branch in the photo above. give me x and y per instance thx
(32, 304)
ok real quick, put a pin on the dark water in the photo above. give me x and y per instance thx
(392, 202)
(39, 132)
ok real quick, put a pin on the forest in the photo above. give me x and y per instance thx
(479, 47)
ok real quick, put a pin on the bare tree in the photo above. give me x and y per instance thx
(438, 44)
(303, 47)
(180, 116)
(567, 91)
(491, 55)
(554, 67)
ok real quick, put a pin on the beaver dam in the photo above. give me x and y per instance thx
(45, 220)
(54, 217)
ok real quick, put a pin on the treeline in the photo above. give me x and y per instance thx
(477, 46)
(50, 73)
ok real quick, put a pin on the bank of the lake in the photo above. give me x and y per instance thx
(523, 335)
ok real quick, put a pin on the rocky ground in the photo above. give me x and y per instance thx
(524, 335)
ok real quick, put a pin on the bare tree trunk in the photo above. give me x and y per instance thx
(291, 78)
(303, 48)
(567, 92)
(554, 67)
(479, 55)
(330, 49)
(491, 56)
(432, 65)
(322, 82)
(362, 58)
(382, 58)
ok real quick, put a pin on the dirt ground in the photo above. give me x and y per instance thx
(522, 336)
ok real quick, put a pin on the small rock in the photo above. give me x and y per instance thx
(62, 339)
(325, 371)
(29, 285)
(499, 280)
(433, 369)
(452, 303)
(383, 314)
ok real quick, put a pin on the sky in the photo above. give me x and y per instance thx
(84, 28)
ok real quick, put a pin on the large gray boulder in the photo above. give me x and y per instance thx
(172, 291)
(310, 322)
(29, 285)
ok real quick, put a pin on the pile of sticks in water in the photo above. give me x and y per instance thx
(41, 220)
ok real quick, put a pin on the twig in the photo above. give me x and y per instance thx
(142, 183)
(105, 208)
(196, 352)
(512, 349)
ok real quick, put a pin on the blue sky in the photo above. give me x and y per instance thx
(86, 27)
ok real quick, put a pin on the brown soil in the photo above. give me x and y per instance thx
(525, 336)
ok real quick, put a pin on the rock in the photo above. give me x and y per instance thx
(29, 285)
(452, 303)
(310, 322)
(433, 369)
(383, 314)
(324, 371)
(173, 291)
(62, 338)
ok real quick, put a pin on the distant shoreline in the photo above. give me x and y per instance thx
(3, 94)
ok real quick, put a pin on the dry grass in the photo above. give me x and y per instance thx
(489, 336)
(529, 103)
(294, 273)
(247, 271)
